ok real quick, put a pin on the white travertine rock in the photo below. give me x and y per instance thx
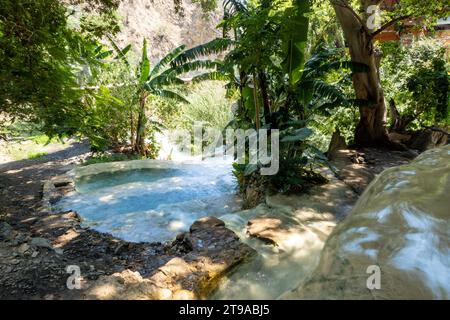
(400, 224)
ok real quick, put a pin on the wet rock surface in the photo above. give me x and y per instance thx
(401, 225)
(289, 232)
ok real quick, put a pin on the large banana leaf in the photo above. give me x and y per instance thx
(144, 65)
(299, 135)
(121, 53)
(167, 59)
(170, 95)
(213, 76)
(295, 36)
(213, 47)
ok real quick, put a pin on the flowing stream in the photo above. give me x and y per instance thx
(402, 217)
(154, 200)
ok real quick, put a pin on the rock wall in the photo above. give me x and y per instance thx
(165, 29)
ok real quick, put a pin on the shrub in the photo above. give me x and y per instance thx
(416, 79)
(208, 104)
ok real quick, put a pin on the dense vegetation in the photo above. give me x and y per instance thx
(304, 67)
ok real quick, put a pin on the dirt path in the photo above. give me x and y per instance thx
(357, 168)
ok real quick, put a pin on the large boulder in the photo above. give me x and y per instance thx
(428, 139)
(399, 230)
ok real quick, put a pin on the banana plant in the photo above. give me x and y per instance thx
(159, 80)
(295, 37)
(275, 74)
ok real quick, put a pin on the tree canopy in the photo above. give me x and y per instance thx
(37, 55)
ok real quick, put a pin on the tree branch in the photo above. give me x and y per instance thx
(388, 24)
(344, 4)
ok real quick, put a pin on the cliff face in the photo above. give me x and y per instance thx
(165, 29)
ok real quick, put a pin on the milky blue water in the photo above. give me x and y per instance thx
(153, 205)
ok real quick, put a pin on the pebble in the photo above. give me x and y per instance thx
(41, 242)
(14, 261)
(23, 248)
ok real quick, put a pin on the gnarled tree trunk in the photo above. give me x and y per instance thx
(399, 122)
(371, 129)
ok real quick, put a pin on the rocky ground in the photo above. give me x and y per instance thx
(37, 246)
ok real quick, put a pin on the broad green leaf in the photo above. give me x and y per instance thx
(295, 36)
(250, 168)
(299, 135)
(167, 59)
(213, 47)
(144, 65)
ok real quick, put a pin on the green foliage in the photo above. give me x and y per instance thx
(416, 78)
(333, 105)
(100, 107)
(427, 11)
(97, 24)
(37, 155)
(38, 52)
(278, 90)
(324, 30)
(295, 36)
(135, 99)
(144, 65)
(158, 83)
(106, 158)
(26, 142)
(207, 104)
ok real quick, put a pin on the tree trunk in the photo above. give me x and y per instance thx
(132, 130)
(265, 96)
(140, 129)
(371, 129)
(399, 122)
